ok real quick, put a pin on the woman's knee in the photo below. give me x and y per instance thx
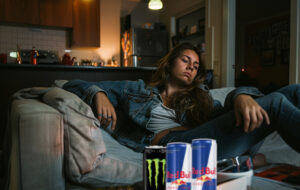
(275, 96)
(272, 100)
(295, 85)
(290, 89)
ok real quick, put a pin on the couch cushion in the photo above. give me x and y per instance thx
(221, 93)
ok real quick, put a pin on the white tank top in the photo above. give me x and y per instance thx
(162, 118)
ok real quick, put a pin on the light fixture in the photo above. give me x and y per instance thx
(155, 4)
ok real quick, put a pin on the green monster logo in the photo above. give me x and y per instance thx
(156, 164)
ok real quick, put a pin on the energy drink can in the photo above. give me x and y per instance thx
(178, 166)
(204, 164)
(154, 168)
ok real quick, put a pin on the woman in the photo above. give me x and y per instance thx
(173, 108)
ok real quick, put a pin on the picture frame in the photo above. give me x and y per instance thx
(193, 29)
(267, 57)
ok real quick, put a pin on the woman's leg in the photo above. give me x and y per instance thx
(233, 141)
(292, 93)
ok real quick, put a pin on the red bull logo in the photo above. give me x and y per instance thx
(204, 171)
(204, 178)
(179, 182)
(178, 174)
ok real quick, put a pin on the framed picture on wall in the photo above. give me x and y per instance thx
(267, 57)
(267, 41)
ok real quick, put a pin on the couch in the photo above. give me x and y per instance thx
(49, 150)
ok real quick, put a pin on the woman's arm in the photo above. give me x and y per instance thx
(84, 90)
(101, 96)
(251, 91)
(247, 111)
(106, 111)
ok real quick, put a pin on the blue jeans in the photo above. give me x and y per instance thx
(282, 107)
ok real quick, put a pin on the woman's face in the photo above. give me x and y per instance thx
(185, 68)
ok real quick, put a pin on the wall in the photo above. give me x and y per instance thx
(56, 40)
(213, 38)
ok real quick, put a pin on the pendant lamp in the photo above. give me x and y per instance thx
(155, 4)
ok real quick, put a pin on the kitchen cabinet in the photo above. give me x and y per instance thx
(56, 13)
(86, 23)
(20, 11)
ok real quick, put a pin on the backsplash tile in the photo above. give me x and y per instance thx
(55, 40)
(27, 37)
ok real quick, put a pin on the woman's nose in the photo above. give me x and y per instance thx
(190, 66)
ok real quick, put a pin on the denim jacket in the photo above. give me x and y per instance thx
(133, 102)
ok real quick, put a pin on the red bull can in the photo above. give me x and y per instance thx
(204, 164)
(154, 168)
(178, 166)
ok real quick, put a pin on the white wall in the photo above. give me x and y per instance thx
(109, 34)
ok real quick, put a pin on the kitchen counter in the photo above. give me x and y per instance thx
(69, 67)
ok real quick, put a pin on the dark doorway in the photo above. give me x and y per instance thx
(262, 43)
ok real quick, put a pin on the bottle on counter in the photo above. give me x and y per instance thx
(18, 59)
(33, 56)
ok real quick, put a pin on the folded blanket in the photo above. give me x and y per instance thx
(83, 140)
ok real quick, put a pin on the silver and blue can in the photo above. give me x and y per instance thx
(178, 160)
(204, 164)
(154, 168)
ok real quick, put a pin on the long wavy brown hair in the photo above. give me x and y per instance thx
(193, 106)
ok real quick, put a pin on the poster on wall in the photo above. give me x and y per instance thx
(268, 40)
(266, 52)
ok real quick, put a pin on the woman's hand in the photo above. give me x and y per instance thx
(106, 111)
(246, 108)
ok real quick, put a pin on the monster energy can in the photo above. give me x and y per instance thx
(154, 168)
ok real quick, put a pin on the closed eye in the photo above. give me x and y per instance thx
(185, 60)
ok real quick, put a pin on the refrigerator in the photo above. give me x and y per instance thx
(147, 47)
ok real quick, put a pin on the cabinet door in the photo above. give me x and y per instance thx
(20, 11)
(86, 23)
(56, 13)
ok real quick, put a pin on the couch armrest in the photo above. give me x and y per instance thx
(37, 146)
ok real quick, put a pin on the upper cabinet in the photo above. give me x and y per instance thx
(83, 16)
(86, 23)
(56, 13)
(20, 11)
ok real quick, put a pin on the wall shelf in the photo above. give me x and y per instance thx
(190, 28)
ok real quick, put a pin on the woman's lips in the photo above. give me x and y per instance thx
(187, 74)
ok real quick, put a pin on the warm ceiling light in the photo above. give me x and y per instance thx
(155, 4)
